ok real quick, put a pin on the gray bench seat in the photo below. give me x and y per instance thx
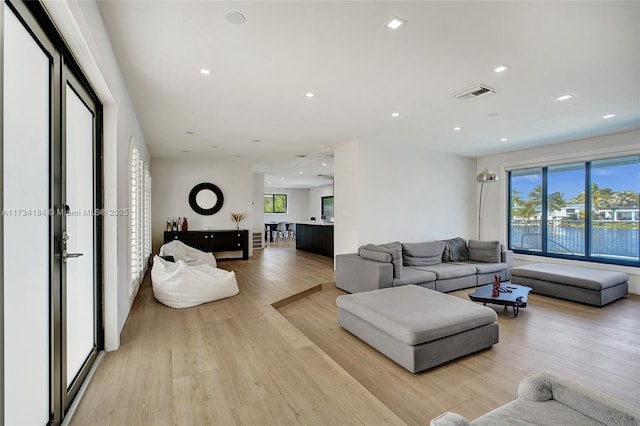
(584, 285)
(416, 327)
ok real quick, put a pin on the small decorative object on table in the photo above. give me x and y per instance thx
(237, 217)
(185, 225)
(496, 286)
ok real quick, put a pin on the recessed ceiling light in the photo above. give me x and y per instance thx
(235, 17)
(457, 129)
(282, 178)
(501, 68)
(564, 97)
(608, 116)
(205, 71)
(504, 139)
(268, 181)
(395, 114)
(396, 23)
(324, 164)
(309, 94)
(299, 173)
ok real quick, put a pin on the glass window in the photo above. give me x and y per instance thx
(526, 208)
(587, 210)
(565, 209)
(268, 203)
(275, 203)
(327, 208)
(615, 188)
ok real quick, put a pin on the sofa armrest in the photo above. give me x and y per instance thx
(450, 419)
(506, 256)
(356, 274)
(544, 385)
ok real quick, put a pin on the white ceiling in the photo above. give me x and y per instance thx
(253, 106)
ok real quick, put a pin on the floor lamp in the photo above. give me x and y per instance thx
(485, 176)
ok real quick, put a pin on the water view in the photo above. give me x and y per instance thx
(600, 222)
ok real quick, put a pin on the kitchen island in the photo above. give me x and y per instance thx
(316, 237)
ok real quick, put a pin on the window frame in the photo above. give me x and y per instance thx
(273, 203)
(588, 207)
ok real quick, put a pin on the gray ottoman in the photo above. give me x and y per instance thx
(584, 285)
(416, 327)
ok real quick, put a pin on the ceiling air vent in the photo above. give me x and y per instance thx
(473, 93)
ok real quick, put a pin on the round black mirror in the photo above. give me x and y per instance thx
(206, 199)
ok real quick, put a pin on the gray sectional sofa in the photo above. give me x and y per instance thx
(444, 266)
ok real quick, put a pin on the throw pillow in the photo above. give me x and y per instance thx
(395, 249)
(484, 251)
(456, 250)
(422, 254)
(378, 256)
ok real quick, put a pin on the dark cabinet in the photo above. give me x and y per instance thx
(213, 241)
(315, 238)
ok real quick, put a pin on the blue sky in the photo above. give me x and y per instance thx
(571, 182)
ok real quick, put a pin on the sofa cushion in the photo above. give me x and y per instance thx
(422, 254)
(455, 250)
(400, 312)
(395, 250)
(414, 276)
(486, 268)
(447, 271)
(484, 251)
(592, 279)
(378, 256)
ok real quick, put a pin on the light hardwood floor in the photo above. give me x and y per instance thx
(239, 361)
(599, 347)
(236, 361)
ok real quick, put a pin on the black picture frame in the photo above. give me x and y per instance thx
(201, 210)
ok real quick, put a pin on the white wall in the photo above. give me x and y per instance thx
(402, 194)
(173, 181)
(495, 198)
(297, 205)
(315, 199)
(81, 25)
(346, 171)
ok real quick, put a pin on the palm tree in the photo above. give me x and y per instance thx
(535, 195)
(556, 201)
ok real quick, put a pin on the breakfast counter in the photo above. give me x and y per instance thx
(316, 237)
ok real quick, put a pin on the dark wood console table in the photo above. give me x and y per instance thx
(210, 241)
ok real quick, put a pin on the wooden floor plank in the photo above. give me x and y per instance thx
(201, 399)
